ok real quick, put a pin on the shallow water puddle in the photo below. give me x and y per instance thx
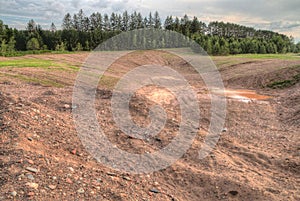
(242, 95)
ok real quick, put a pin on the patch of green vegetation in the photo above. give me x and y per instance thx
(23, 53)
(75, 68)
(268, 56)
(226, 61)
(108, 81)
(19, 63)
(37, 63)
(43, 82)
(285, 83)
(168, 56)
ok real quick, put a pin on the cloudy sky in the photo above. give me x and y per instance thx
(277, 15)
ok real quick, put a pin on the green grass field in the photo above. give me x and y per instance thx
(20, 69)
(289, 56)
(37, 63)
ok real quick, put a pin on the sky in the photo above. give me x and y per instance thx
(282, 16)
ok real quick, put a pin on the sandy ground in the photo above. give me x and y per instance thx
(256, 158)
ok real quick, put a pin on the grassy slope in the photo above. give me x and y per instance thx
(18, 69)
(47, 65)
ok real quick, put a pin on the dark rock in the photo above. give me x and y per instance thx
(154, 190)
(234, 193)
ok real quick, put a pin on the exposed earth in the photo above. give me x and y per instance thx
(256, 158)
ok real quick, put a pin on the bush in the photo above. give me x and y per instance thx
(33, 44)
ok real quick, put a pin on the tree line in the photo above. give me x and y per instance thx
(80, 32)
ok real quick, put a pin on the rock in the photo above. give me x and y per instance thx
(54, 178)
(30, 194)
(111, 174)
(32, 185)
(234, 193)
(158, 139)
(73, 152)
(69, 181)
(14, 193)
(66, 106)
(127, 178)
(224, 130)
(30, 162)
(81, 191)
(35, 110)
(71, 169)
(34, 170)
(52, 187)
(154, 190)
(30, 176)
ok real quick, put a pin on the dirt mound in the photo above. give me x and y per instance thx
(289, 107)
(271, 81)
(262, 75)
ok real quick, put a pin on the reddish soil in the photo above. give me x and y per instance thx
(256, 158)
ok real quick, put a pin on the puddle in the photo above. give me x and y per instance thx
(242, 95)
(163, 96)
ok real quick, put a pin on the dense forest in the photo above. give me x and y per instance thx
(80, 32)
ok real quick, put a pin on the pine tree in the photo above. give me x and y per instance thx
(80, 20)
(169, 23)
(113, 21)
(145, 23)
(185, 25)
(53, 27)
(177, 27)
(67, 22)
(86, 24)
(31, 26)
(76, 23)
(195, 26)
(125, 21)
(119, 23)
(106, 23)
(157, 22)
(95, 21)
(139, 21)
(133, 21)
(150, 21)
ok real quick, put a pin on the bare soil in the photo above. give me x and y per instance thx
(256, 158)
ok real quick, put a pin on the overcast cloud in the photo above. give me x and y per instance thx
(277, 15)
